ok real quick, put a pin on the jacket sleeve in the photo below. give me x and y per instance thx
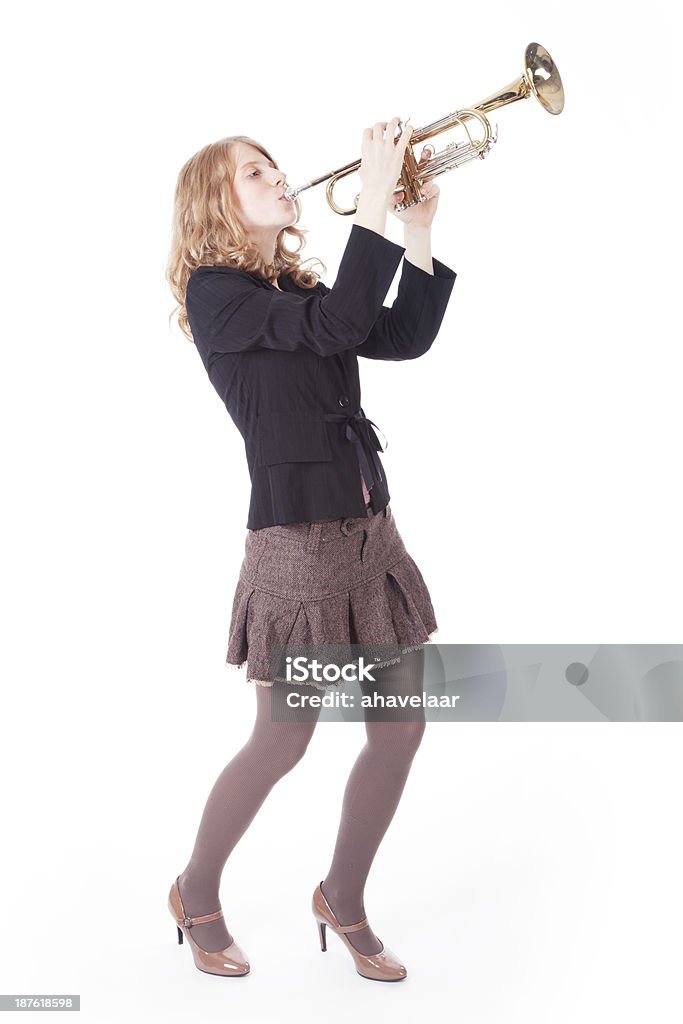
(407, 329)
(230, 312)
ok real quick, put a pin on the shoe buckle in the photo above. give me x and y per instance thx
(187, 921)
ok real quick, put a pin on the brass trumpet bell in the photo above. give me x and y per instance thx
(540, 78)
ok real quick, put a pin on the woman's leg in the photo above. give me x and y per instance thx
(271, 751)
(372, 795)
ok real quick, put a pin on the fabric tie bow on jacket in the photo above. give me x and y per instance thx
(359, 431)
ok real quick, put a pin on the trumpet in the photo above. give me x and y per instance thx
(540, 78)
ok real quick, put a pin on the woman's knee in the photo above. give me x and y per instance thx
(297, 743)
(399, 739)
(282, 745)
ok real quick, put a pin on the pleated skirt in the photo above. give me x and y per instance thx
(346, 581)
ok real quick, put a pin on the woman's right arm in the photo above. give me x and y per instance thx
(229, 311)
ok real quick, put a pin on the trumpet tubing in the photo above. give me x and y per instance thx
(540, 79)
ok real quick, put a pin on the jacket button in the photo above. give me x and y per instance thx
(343, 400)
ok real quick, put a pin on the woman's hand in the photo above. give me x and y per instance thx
(422, 214)
(382, 156)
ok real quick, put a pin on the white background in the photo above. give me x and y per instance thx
(531, 873)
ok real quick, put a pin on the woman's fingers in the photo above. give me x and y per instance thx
(387, 129)
(406, 133)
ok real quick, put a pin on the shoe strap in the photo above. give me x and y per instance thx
(343, 927)
(190, 921)
(353, 927)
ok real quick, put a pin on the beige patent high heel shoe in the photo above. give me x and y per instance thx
(230, 962)
(382, 966)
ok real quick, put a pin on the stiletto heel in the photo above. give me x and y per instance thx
(230, 962)
(382, 966)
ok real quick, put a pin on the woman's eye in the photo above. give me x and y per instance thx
(253, 172)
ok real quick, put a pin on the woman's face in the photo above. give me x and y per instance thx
(256, 192)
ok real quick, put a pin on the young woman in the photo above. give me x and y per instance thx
(324, 562)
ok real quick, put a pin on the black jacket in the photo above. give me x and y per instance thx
(285, 365)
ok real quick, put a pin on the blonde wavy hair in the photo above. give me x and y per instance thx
(205, 229)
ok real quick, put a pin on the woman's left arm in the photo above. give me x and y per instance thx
(418, 245)
(417, 220)
(407, 329)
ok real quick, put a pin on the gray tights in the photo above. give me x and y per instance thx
(372, 794)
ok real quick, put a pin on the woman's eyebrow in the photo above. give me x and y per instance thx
(255, 163)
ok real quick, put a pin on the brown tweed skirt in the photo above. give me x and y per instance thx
(331, 581)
